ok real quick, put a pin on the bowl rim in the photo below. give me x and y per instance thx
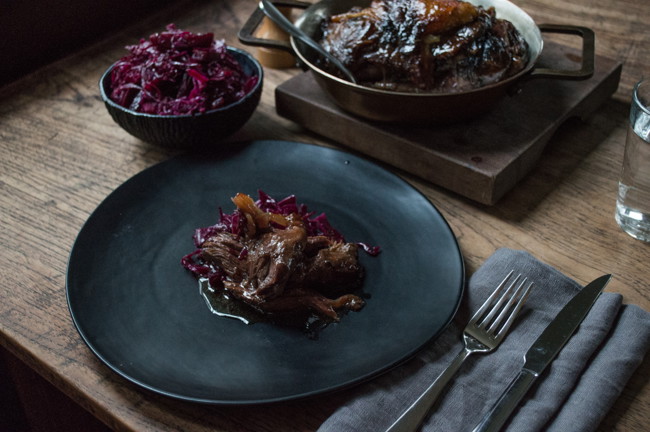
(257, 66)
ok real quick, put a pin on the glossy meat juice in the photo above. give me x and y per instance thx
(221, 303)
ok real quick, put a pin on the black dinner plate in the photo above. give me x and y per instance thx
(142, 314)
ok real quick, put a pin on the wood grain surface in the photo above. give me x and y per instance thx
(480, 158)
(62, 155)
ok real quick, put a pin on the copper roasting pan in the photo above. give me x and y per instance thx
(421, 108)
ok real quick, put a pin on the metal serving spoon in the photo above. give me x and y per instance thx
(274, 14)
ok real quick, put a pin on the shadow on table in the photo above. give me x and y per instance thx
(565, 154)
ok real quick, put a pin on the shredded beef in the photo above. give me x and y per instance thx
(282, 270)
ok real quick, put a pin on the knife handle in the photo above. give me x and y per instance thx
(494, 420)
(412, 418)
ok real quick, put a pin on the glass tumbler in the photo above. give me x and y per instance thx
(633, 202)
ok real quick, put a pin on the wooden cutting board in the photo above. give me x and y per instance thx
(481, 159)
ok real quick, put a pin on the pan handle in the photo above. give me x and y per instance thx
(588, 54)
(247, 33)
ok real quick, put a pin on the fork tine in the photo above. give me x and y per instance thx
(505, 297)
(506, 310)
(515, 311)
(479, 313)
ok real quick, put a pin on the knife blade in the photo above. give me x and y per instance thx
(542, 353)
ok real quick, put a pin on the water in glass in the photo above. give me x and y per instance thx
(633, 203)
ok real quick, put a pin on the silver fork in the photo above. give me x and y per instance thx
(483, 334)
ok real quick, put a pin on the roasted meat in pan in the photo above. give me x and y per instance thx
(425, 45)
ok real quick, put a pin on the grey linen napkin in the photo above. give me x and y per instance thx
(574, 393)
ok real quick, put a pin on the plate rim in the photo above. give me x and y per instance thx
(268, 400)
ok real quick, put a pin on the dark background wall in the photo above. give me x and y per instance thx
(34, 33)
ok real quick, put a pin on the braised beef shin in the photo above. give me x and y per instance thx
(284, 271)
(425, 45)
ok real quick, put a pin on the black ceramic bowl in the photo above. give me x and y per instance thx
(189, 131)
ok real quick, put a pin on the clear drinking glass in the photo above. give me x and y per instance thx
(633, 203)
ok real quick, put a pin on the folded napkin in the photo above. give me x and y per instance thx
(573, 394)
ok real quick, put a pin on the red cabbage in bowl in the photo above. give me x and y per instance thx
(177, 72)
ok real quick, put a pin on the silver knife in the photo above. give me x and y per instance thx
(543, 351)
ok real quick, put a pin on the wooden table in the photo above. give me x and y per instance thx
(62, 154)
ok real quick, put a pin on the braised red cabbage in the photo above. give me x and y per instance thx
(177, 72)
(235, 223)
